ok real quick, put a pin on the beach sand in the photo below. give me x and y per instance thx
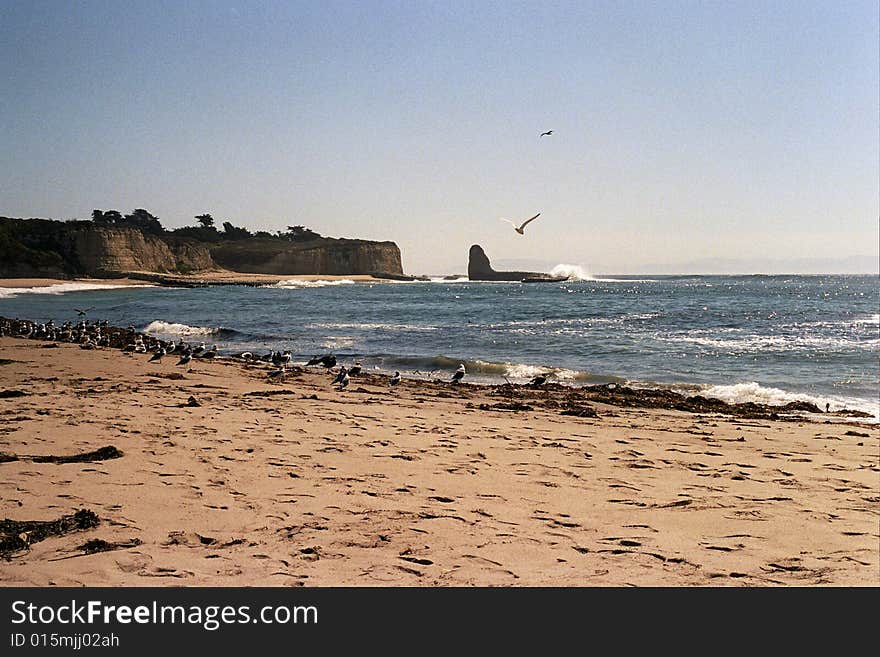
(218, 277)
(45, 282)
(295, 483)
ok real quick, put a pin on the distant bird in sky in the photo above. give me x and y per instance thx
(519, 229)
(459, 374)
(545, 134)
(82, 313)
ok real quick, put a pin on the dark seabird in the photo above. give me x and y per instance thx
(343, 382)
(545, 134)
(519, 229)
(157, 357)
(185, 359)
(459, 374)
(343, 374)
(394, 380)
(81, 313)
(354, 370)
(211, 353)
(198, 350)
(327, 361)
(539, 380)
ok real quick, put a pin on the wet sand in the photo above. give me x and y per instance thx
(294, 483)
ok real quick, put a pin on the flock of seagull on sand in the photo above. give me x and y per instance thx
(99, 334)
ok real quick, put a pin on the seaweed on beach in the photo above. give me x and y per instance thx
(100, 545)
(506, 406)
(102, 454)
(9, 394)
(269, 393)
(18, 535)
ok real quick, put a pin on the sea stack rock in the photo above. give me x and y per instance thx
(479, 269)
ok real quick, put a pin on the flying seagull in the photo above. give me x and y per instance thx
(519, 229)
(82, 313)
(544, 134)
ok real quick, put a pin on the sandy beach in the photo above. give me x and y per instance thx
(294, 483)
(202, 278)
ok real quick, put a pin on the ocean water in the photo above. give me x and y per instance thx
(770, 339)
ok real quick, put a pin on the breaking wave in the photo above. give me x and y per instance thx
(60, 288)
(159, 327)
(740, 393)
(295, 283)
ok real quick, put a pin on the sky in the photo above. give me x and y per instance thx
(687, 135)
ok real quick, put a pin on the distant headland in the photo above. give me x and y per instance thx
(136, 245)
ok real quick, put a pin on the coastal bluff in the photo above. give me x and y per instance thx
(71, 249)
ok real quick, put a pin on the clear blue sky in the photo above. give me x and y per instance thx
(683, 130)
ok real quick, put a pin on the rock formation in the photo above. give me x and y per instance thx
(479, 269)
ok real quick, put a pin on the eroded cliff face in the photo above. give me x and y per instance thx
(42, 247)
(102, 251)
(331, 257)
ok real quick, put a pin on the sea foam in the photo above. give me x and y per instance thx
(170, 328)
(60, 288)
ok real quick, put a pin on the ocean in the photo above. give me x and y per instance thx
(761, 338)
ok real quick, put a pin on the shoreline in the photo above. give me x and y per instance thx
(293, 483)
(203, 279)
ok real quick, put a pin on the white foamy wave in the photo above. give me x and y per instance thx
(169, 328)
(294, 283)
(740, 393)
(60, 288)
(873, 320)
(771, 342)
(337, 342)
(519, 371)
(370, 326)
(574, 272)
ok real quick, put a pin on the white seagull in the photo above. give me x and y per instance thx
(519, 229)
(459, 374)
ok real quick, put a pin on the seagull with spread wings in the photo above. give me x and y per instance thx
(82, 312)
(519, 229)
(546, 134)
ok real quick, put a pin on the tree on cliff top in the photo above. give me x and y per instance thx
(206, 220)
(299, 234)
(139, 218)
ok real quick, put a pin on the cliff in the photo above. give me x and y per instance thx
(479, 269)
(55, 249)
(332, 257)
(41, 247)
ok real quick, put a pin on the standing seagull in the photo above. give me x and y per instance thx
(459, 374)
(519, 229)
(546, 134)
(157, 357)
(394, 379)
